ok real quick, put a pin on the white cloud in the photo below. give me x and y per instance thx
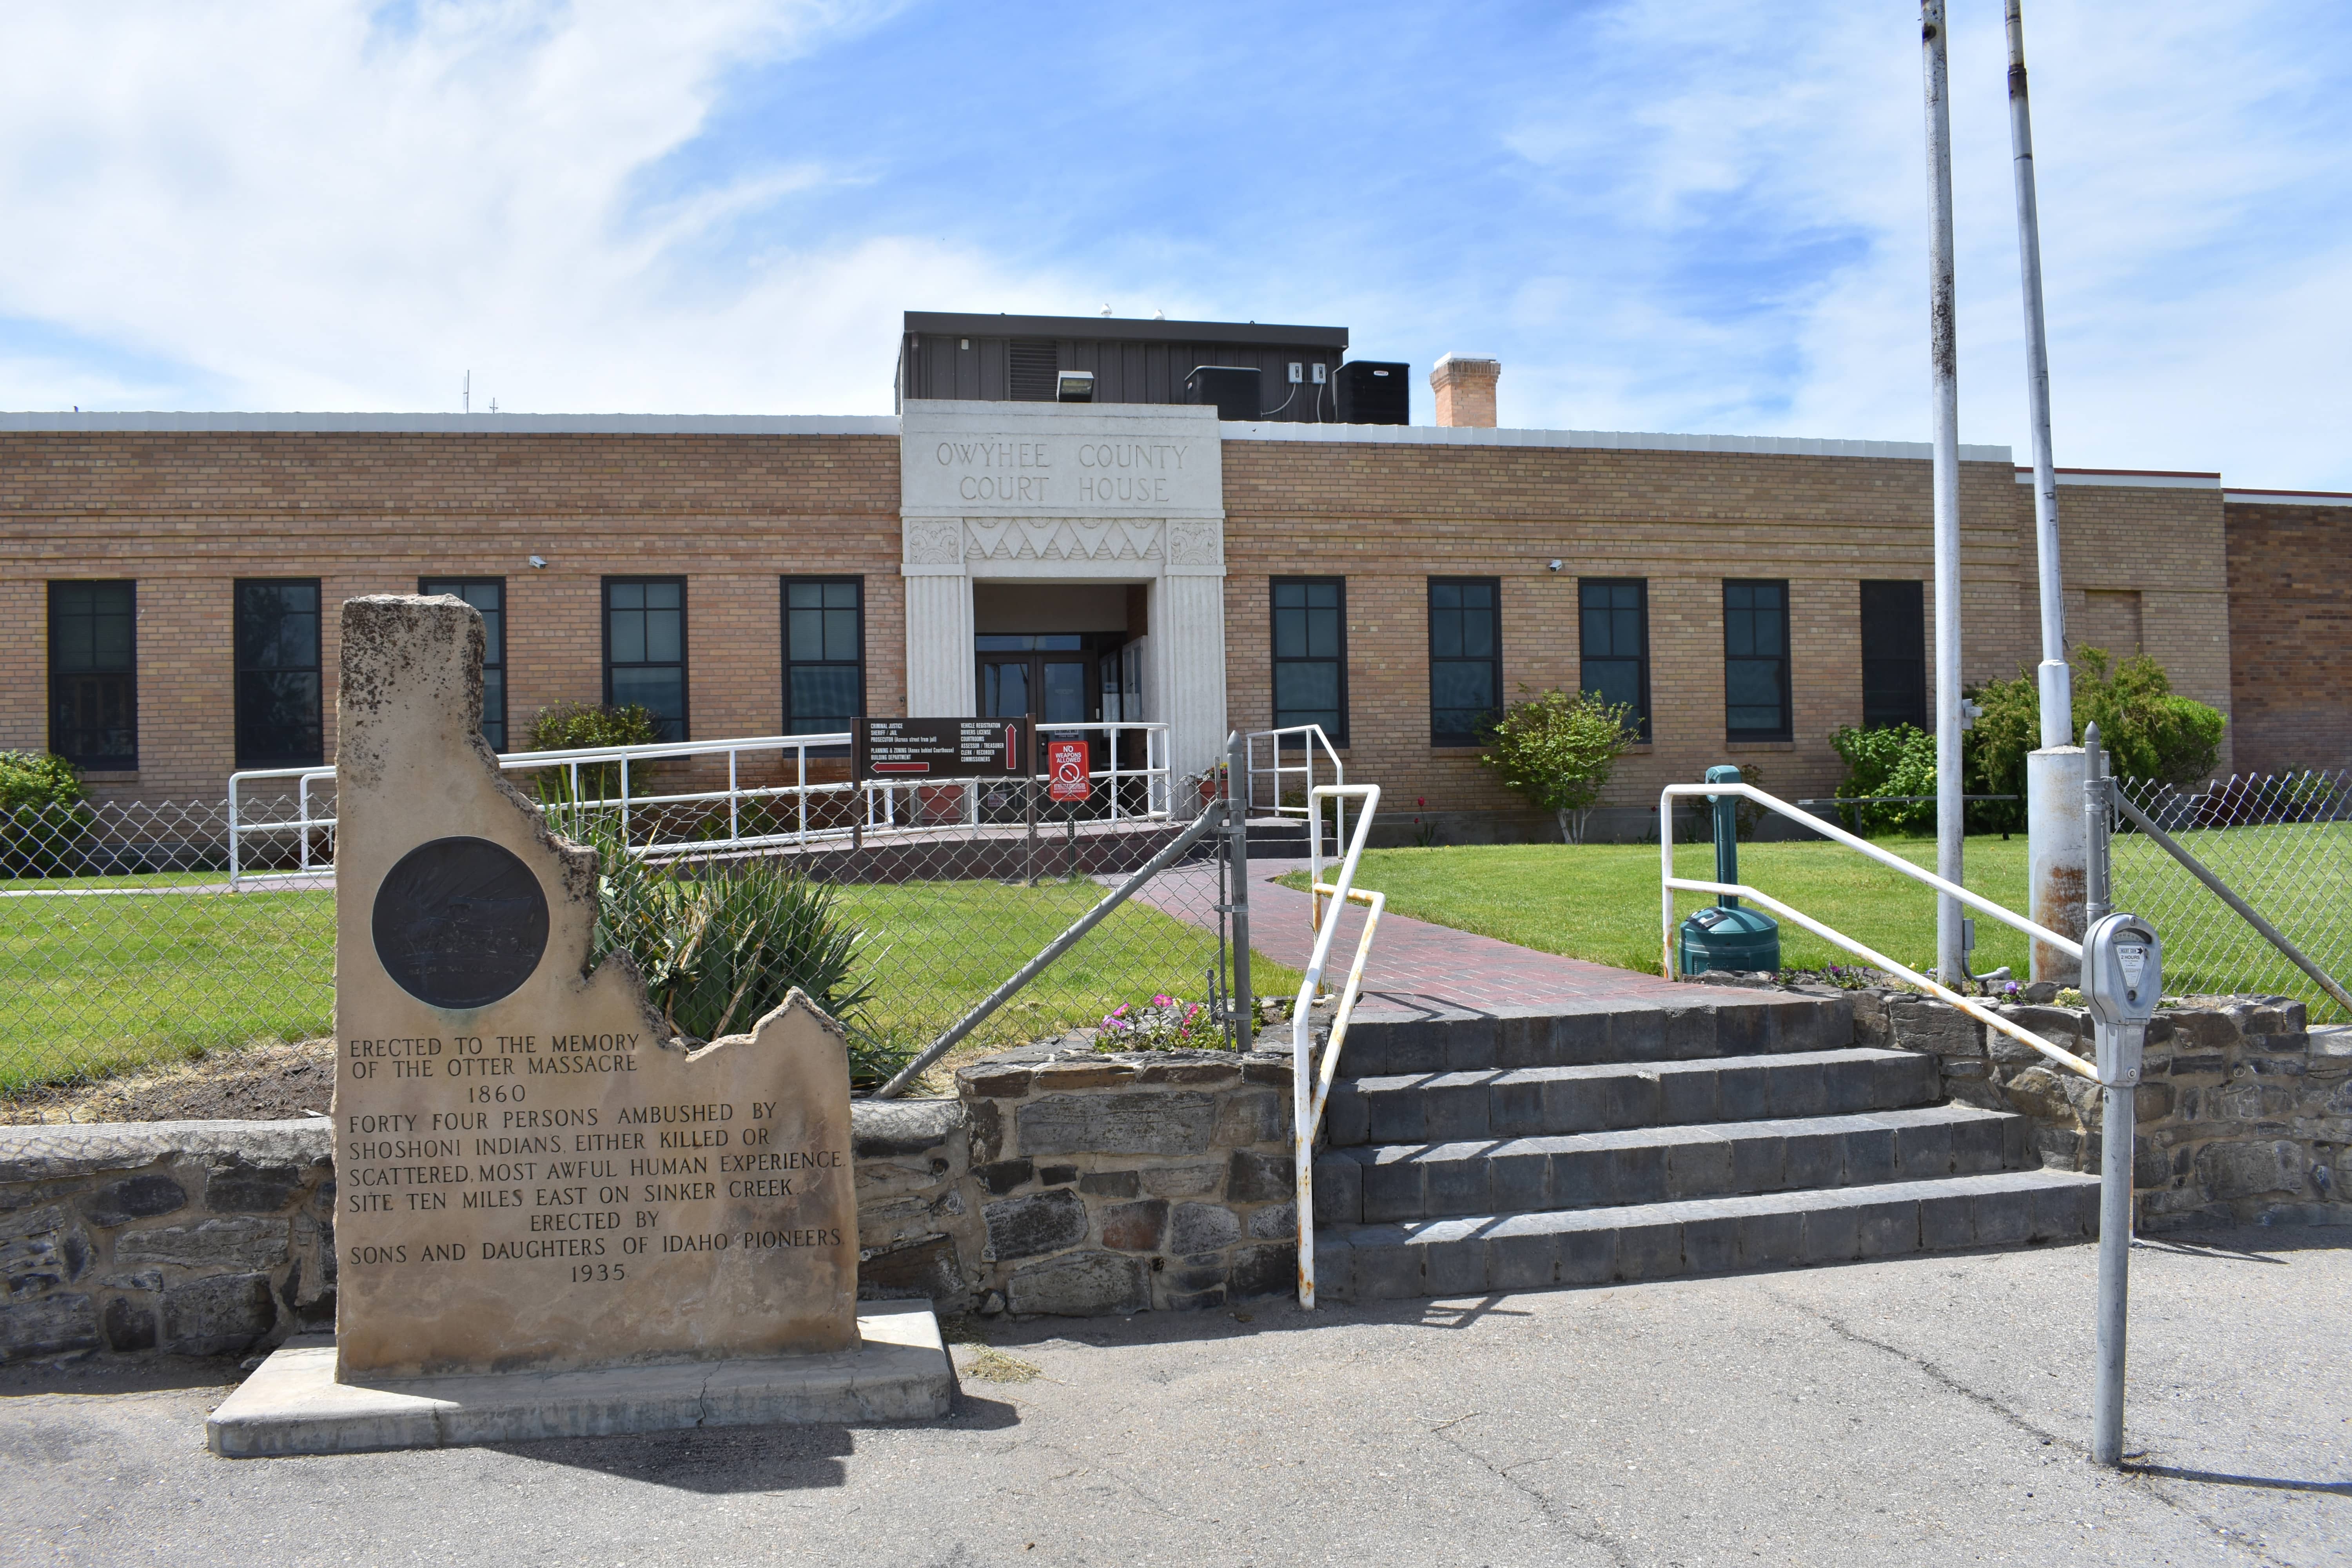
(305, 207)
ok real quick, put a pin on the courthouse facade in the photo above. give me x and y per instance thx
(169, 582)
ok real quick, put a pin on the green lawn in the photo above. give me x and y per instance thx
(91, 986)
(1599, 901)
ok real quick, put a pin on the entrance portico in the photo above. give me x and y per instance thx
(1040, 500)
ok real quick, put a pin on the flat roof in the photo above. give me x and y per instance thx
(1124, 328)
(468, 423)
(2288, 498)
(1607, 440)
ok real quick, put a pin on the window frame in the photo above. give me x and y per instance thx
(1916, 714)
(129, 674)
(505, 619)
(685, 668)
(785, 644)
(1641, 587)
(1275, 661)
(244, 761)
(1787, 728)
(1451, 739)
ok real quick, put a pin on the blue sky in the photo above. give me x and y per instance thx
(1687, 216)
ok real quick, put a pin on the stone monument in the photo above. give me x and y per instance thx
(552, 1218)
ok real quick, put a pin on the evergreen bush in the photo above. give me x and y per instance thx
(45, 811)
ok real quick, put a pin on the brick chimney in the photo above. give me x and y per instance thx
(1465, 390)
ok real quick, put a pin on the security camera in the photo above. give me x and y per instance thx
(1555, 566)
(541, 562)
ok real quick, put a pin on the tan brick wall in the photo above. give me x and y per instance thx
(2290, 636)
(187, 515)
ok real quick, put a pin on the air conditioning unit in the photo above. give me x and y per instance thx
(1374, 392)
(1233, 388)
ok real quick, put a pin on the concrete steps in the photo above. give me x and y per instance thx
(1480, 1153)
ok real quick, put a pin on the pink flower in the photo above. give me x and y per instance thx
(1163, 1000)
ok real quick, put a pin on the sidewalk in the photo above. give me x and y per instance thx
(1417, 968)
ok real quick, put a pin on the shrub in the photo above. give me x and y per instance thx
(575, 726)
(721, 950)
(2148, 731)
(46, 813)
(1557, 750)
(1894, 759)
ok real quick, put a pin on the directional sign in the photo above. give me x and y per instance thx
(942, 748)
(1067, 776)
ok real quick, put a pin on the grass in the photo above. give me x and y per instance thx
(1599, 901)
(90, 987)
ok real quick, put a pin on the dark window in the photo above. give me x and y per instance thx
(277, 687)
(1894, 655)
(93, 675)
(1465, 658)
(488, 595)
(824, 654)
(1615, 643)
(645, 649)
(1311, 654)
(1756, 661)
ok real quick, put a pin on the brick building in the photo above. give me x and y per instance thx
(168, 581)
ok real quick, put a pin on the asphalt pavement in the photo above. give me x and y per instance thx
(1928, 1410)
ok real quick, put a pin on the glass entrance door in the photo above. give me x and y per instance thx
(1049, 677)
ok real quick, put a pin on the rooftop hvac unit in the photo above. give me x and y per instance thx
(1233, 388)
(1374, 392)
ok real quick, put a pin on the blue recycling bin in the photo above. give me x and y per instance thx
(1728, 935)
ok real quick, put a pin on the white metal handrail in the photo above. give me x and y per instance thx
(1310, 1081)
(1309, 740)
(882, 808)
(1670, 884)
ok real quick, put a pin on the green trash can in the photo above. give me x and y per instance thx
(1728, 935)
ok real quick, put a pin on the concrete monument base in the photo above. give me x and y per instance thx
(292, 1404)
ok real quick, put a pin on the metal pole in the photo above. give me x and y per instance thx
(2056, 679)
(1237, 851)
(1943, 356)
(2097, 895)
(2120, 1055)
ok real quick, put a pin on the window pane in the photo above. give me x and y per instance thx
(1289, 595)
(1478, 633)
(627, 595)
(822, 692)
(804, 635)
(1323, 634)
(1306, 686)
(1445, 595)
(1615, 680)
(661, 596)
(1323, 595)
(665, 638)
(628, 636)
(1462, 686)
(841, 634)
(661, 690)
(494, 707)
(1445, 634)
(841, 595)
(804, 596)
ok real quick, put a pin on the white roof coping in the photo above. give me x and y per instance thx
(465, 424)
(2289, 498)
(2134, 478)
(1604, 440)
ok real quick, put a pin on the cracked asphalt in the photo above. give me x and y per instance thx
(1928, 1410)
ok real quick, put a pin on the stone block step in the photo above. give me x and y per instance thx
(1728, 1024)
(1390, 1182)
(1481, 1256)
(1536, 1102)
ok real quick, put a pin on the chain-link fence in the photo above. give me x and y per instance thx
(2284, 843)
(125, 942)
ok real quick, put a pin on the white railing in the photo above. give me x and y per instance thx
(1670, 884)
(1309, 740)
(881, 807)
(1310, 1081)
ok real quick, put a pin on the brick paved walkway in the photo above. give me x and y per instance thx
(1417, 968)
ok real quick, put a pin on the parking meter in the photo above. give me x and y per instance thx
(2122, 976)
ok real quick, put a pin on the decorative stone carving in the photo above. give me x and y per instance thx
(934, 543)
(1195, 544)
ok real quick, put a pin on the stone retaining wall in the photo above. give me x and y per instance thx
(192, 1237)
(2245, 1113)
(1076, 1184)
